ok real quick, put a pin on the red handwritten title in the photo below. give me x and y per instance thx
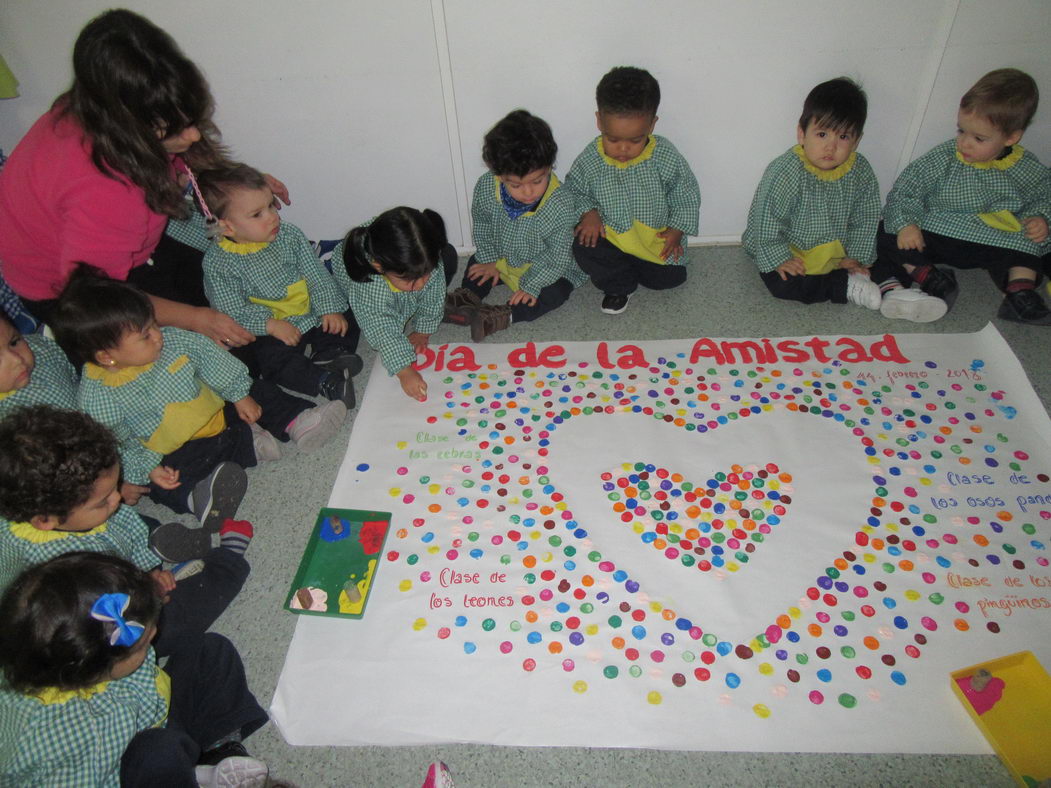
(460, 358)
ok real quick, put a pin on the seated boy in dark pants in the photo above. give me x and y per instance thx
(812, 225)
(979, 201)
(264, 274)
(636, 194)
(523, 231)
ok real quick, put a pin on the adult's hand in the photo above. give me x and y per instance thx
(278, 188)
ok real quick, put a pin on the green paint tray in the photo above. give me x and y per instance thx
(339, 564)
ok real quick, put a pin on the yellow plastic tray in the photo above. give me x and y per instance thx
(1018, 724)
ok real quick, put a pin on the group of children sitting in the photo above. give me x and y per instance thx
(120, 407)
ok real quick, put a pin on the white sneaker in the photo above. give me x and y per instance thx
(861, 290)
(266, 446)
(234, 772)
(314, 428)
(914, 305)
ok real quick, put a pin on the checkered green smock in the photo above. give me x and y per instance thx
(802, 206)
(191, 231)
(135, 408)
(382, 312)
(233, 273)
(124, 535)
(79, 742)
(942, 193)
(52, 382)
(659, 190)
(541, 239)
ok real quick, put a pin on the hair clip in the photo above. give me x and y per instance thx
(110, 608)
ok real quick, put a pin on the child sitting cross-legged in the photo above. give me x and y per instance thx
(59, 475)
(84, 703)
(637, 196)
(180, 406)
(264, 274)
(523, 231)
(33, 370)
(812, 225)
(980, 200)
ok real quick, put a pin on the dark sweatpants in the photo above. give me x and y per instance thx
(550, 297)
(809, 288)
(286, 365)
(618, 273)
(210, 700)
(199, 600)
(943, 250)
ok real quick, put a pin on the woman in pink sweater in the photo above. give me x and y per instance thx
(99, 176)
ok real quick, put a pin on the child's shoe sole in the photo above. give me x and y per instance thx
(316, 427)
(236, 772)
(174, 542)
(216, 498)
(914, 305)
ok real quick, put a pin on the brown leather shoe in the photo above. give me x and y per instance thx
(488, 319)
(460, 306)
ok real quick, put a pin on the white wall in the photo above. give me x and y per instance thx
(361, 104)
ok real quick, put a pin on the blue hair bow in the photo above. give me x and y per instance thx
(111, 607)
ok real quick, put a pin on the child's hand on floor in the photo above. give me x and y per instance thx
(590, 229)
(248, 409)
(1035, 229)
(521, 297)
(130, 493)
(419, 341)
(164, 582)
(484, 272)
(334, 323)
(164, 477)
(911, 237)
(852, 266)
(413, 384)
(672, 243)
(284, 331)
(793, 267)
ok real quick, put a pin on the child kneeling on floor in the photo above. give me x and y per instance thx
(523, 231)
(264, 274)
(812, 225)
(83, 701)
(182, 409)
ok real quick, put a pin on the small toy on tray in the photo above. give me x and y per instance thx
(339, 564)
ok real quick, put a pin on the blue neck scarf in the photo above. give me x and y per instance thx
(513, 207)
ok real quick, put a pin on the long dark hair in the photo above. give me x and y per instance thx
(403, 241)
(129, 80)
(49, 638)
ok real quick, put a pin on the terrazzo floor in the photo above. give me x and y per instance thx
(722, 298)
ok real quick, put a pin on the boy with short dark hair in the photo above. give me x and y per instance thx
(636, 194)
(59, 493)
(979, 201)
(523, 231)
(812, 225)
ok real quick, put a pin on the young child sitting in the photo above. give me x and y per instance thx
(636, 193)
(523, 231)
(33, 370)
(165, 393)
(812, 225)
(264, 274)
(386, 269)
(83, 702)
(979, 201)
(58, 493)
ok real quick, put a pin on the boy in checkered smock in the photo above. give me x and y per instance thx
(387, 269)
(812, 225)
(636, 194)
(264, 274)
(979, 201)
(84, 703)
(33, 371)
(523, 231)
